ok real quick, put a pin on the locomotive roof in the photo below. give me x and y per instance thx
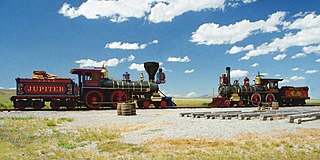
(80, 70)
(272, 79)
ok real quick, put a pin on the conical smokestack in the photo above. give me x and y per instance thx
(151, 68)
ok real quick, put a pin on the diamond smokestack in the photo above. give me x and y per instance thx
(151, 68)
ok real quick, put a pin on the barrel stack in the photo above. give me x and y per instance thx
(126, 109)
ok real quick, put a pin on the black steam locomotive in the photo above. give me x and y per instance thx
(263, 90)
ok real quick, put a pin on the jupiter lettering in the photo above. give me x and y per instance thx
(45, 89)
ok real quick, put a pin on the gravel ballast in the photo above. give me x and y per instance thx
(168, 124)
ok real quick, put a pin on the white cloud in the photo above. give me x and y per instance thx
(318, 60)
(264, 74)
(295, 69)
(13, 88)
(277, 75)
(191, 94)
(296, 78)
(284, 81)
(255, 65)
(170, 94)
(248, 1)
(211, 33)
(308, 30)
(299, 55)
(153, 10)
(110, 62)
(128, 46)
(189, 71)
(238, 73)
(135, 66)
(311, 49)
(236, 3)
(179, 59)
(311, 71)
(236, 49)
(1, 87)
(280, 57)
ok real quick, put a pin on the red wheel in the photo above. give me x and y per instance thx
(227, 103)
(270, 97)
(240, 104)
(38, 104)
(20, 104)
(118, 96)
(93, 99)
(55, 104)
(256, 99)
(71, 104)
(163, 104)
(146, 104)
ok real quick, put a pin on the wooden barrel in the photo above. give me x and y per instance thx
(275, 105)
(133, 108)
(126, 109)
(119, 105)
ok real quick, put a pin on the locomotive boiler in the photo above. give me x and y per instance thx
(94, 90)
(263, 90)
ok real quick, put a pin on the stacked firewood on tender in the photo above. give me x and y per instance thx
(43, 75)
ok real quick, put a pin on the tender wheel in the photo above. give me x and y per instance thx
(55, 104)
(270, 97)
(20, 104)
(163, 104)
(227, 103)
(256, 99)
(38, 104)
(93, 99)
(118, 96)
(71, 104)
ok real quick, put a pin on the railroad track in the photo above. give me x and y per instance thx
(86, 109)
(294, 116)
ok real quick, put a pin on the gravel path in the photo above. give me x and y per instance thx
(152, 124)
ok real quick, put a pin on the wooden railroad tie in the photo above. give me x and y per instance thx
(299, 118)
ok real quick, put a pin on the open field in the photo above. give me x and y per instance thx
(152, 134)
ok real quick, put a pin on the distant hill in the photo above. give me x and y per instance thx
(5, 95)
(206, 96)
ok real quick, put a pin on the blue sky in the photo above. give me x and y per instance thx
(194, 40)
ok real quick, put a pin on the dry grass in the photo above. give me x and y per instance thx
(31, 138)
(134, 127)
(305, 144)
(192, 102)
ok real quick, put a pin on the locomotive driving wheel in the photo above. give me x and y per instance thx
(93, 99)
(118, 96)
(256, 99)
(270, 97)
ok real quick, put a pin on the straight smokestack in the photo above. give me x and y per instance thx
(228, 75)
